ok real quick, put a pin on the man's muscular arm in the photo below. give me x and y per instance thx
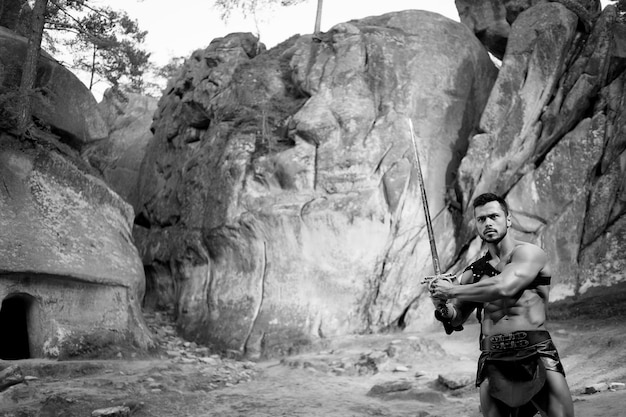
(526, 263)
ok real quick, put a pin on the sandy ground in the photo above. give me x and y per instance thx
(395, 375)
(336, 382)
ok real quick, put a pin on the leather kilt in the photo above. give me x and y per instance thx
(518, 344)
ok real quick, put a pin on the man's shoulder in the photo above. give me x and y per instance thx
(534, 257)
(526, 250)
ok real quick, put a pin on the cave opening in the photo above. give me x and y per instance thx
(14, 327)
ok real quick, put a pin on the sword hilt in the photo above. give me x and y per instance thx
(441, 310)
(431, 279)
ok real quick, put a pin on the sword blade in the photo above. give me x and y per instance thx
(429, 225)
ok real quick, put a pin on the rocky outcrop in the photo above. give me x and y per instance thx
(71, 280)
(491, 20)
(536, 56)
(118, 158)
(277, 194)
(15, 15)
(278, 191)
(61, 101)
(552, 141)
(69, 272)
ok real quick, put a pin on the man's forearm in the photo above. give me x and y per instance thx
(483, 291)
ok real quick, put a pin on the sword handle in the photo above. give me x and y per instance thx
(431, 279)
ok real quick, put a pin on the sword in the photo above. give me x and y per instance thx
(429, 227)
(429, 224)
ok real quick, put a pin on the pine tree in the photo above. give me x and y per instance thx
(29, 69)
(105, 43)
(252, 8)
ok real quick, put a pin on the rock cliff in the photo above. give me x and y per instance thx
(118, 157)
(552, 140)
(278, 192)
(71, 279)
(68, 264)
(277, 204)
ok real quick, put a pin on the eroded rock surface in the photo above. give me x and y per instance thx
(552, 142)
(491, 20)
(278, 190)
(118, 158)
(61, 102)
(277, 195)
(66, 257)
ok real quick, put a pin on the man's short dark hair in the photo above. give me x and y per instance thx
(485, 198)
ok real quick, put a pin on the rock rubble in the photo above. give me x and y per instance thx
(224, 370)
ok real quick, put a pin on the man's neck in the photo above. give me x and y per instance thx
(502, 248)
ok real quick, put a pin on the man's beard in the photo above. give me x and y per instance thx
(497, 239)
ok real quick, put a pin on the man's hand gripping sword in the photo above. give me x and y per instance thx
(442, 308)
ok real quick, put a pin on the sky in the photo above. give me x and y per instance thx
(177, 28)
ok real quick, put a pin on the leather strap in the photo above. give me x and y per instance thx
(513, 341)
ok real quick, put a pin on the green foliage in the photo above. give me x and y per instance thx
(9, 110)
(249, 7)
(105, 43)
(159, 76)
(171, 69)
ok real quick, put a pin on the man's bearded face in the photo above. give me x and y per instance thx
(492, 223)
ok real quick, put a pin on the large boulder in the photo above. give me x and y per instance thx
(491, 20)
(118, 158)
(278, 197)
(536, 58)
(552, 192)
(279, 188)
(66, 257)
(61, 102)
(15, 15)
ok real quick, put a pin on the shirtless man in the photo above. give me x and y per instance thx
(510, 284)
